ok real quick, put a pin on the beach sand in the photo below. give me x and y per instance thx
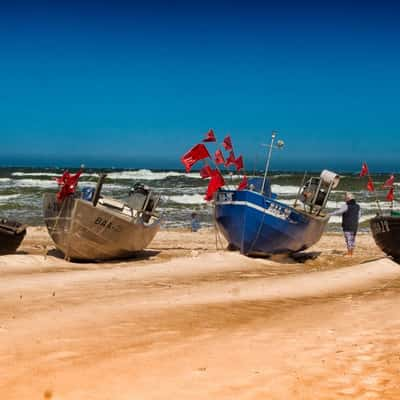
(184, 320)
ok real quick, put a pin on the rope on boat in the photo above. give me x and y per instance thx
(54, 227)
(259, 228)
(217, 233)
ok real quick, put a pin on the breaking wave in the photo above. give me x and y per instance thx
(337, 219)
(364, 205)
(34, 174)
(141, 174)
(279, 189)
(6, 197)
(147, 175)
(187, 199)
(51, 174)
(41, 183)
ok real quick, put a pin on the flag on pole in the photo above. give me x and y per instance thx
(227, 143)
(206, 172)
(389, 183)
(239, 163)
(230, 160)
(196, 153)
(67, 184)
(370, 185)
(216, 182)
(210, 136)
(364, 170)
(243, 184)
(219, 157)
(390, 194)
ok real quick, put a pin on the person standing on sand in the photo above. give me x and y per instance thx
(195, 223)
(350, 212)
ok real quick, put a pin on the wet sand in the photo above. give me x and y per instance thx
(184, 320)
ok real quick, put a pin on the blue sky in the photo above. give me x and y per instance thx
(125, 84)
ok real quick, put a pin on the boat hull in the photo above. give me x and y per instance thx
(386, 233)
(258, 225)
(12, 233)
(85, 232)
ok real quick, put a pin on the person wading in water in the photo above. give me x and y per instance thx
(350, 212)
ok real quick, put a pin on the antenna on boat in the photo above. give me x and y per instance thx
(279, 145)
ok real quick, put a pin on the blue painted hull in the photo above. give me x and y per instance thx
(260, 225)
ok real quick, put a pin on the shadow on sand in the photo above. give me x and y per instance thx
(300, 257)
(138, 256)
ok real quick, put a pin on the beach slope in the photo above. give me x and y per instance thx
(186, 321)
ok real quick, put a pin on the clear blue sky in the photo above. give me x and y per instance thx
(137, 84)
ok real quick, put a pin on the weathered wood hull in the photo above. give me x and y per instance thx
(86, 232)
(11, 235)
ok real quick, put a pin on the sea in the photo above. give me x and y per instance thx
(22, 189)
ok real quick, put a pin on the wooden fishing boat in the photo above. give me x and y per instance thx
(386, 232)
(11, 235)
(101, 228)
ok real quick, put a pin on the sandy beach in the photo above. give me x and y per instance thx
(185, 320)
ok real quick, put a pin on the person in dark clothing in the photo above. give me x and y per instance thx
(350, 212)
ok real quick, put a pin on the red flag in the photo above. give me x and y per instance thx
(219, 157)
(206, 172)
(243, 184)
(227, 143)
(63, 178)
(67, 184)
(389, 182)
(210, 136)
(217, 181)
(239, 163)
(390, 194)
(370, 185)
(196, 153)
(230, 160)
(364, 170)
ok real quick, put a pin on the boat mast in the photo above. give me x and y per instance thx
(273, 136)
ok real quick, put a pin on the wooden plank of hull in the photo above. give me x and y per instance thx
(95, 233)
(386, 233)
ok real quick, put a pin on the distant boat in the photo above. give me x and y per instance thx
(386, 232)
(93, 227)
(11, 235)
(254, 221)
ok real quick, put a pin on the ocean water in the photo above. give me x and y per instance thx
(21, 191)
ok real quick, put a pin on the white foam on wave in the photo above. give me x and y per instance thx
(282, 176)
(34, 183)
(6, 197)
(5, 179)
(281, 189)
(384, 205)
(52, 174)
(33, 174)
(187, 199)
(337, 219)
(146, 174)
(38, 183)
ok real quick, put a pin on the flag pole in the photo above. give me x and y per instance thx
(273, 136)
(376, 195)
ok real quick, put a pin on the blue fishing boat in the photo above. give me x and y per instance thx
(254, 221)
